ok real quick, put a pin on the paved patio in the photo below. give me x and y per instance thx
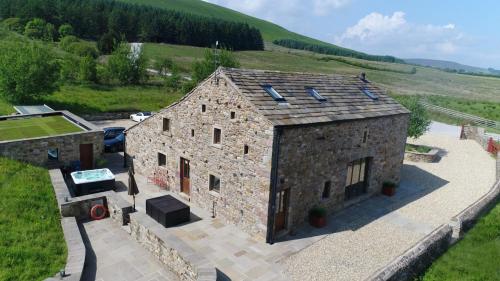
(113, 255)
(357, 241)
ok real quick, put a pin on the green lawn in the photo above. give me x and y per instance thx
(32, 244)
(476, 257)
(36, 127)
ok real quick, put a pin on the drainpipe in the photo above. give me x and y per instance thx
(124, 149)
(274, 183)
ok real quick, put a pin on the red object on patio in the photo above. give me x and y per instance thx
(493, 148)
(98, 212)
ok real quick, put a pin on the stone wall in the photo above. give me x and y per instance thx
(170, 250)
(309, 156)
(107, 116)
(477, 134)
(430, 157)
(35, 150)
(417, 259)
(245, 179)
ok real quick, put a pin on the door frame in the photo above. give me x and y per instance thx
(89, 149)
(282, 208)
(182, 176)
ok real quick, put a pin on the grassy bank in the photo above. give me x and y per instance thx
(476, 257)
(32, 244)
(84, 99)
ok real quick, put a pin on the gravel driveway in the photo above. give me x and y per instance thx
(372, 233)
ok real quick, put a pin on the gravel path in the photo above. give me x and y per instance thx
(381, 228)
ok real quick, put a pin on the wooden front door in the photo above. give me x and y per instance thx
(86, 156)
(282, 198)
(185, 170)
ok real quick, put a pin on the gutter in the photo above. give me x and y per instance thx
(273, 186)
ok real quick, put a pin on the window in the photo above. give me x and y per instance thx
(272, 92)
(326, 190)
(166, 124)
(192, 132)
(370, 94)
(214, 183)
(53, 154)
(365, 136)
(162, 160)
(203, 108)
(356, 178)
(233, 114)
(217, 136)
(314, 93)
(245, 149)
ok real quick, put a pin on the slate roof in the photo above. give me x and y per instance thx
(344, 95)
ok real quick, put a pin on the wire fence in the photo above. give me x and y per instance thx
(476, 120)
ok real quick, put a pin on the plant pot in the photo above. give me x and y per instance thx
(389, 190)
(318, 222)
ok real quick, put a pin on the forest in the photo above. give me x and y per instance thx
(93, 19)
(333, 50)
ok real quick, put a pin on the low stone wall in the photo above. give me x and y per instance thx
(477, 134)
(107, 116)
(468, 217)
(417, 259)
(170, 250)
(430, 157)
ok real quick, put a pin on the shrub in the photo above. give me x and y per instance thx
(83, 49)
(88, 69)
(203, 69)
(419, 119)
(389, 184)
(66, 42)
(13, 24)
(65, 30)
(27, 71)
(126, 67)
(107, 43)
(70, 68)
(35, 28)
(317, 212)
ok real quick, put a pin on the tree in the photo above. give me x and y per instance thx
(66, 42)
(27, 71)
(107, 43)
(126, 66)
(419, 119)
(65, 30)
(49, 32)
(169, 72)
(35, 28)
(88, 69)
(70, 67)
(13, 24)
(203, 69)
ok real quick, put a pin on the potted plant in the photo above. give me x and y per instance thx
(317, 217)
(389, 188)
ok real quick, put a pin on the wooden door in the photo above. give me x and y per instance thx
(282, 198)
(184, 174)
(86, 156)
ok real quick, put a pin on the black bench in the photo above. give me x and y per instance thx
(167, 210)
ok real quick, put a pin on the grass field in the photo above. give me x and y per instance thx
(32, 244)
(36, 127)
(476, 257)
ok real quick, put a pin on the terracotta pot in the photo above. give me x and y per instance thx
(317, 221)
(389, 190)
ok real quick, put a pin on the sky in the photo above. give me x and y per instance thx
(463, 31)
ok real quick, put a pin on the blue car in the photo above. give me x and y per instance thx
(114, 139)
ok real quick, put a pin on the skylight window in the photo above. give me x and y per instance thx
(371, 95)
(272, 92)
(314, 93)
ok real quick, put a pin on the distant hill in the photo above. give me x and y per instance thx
(450, 65)
(270, 31)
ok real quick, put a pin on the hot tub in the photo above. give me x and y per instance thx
(92, 181)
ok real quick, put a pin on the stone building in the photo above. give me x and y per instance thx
(259, 149)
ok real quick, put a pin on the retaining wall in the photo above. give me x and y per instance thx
(417, 259)
(108, 116)
(170, 250)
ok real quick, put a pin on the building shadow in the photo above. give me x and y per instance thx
(90, 265)
(415, 184)
(114, 162)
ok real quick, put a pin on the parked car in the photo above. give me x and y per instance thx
(113, 139)
(140, 116)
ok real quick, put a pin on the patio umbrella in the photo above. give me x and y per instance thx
(132, 185)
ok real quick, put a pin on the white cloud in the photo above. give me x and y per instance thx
(324, 7)
(393, 34)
